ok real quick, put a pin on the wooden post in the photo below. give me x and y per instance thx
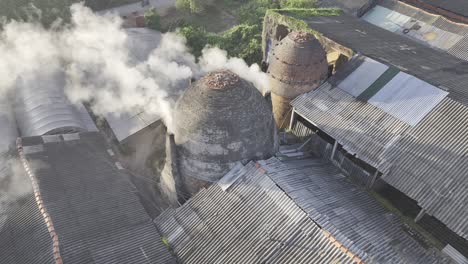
(420, 215)
(335, 146)
(293, 118)
(374, 179)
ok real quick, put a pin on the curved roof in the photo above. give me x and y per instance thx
(42, 108)
(298, 64)
(219, 120)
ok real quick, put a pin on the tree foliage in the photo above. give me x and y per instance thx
(48, 11)
(153, 19)
(297, 3)
(243, 41)
(194, 6)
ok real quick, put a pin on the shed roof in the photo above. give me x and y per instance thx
(456, 6)
(246, 219)
(282, 212)
(140, 43)
(348, 212)
(432, 30)
(24, 237)
(92, 204)
(41, 107)
(433, 66)
(421, 153)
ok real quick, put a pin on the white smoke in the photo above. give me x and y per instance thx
(93, 55)
(215, 59)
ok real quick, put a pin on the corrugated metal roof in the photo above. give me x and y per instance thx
(433, 66)
(141, 42)
(24, 237)
(253, 221)
(361, 78)
(348, 212)
(427, 162)
(386, 18)
(456, 6)
(433, 30)
(23, 233)
(408, 98)
(127, 124)
(360, 127)
(96, 213)
(41, 107)
(281, 212)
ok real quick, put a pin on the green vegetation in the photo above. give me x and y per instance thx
(194, 6)
(153, 19)
(243, 40)
(48, 11)
(165, 242)
(292, 17)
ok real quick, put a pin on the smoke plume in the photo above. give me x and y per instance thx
(93, 55)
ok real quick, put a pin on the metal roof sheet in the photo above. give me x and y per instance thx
(456, 6)
(253, 221)
(429, 164)
(361, 78)
(348, 212)
(96, 213)
(41, 107)
(140, 43)
(23, 233)
(127, 124)
(433, 66)
(24, 237)
(408, 98)
(426, 161)
(282, 212)
(360, 127)
(406, 20)
(386, 18)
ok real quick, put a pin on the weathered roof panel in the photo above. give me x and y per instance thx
(432, 30)
(41, 107)
(409, 131)
(348, 212)
(433, 66)
(386, 18)
(287, 212)
(408, 98)
(361, 78)
(252, 222)
(24, 237)
(96, 213)
(429, 164)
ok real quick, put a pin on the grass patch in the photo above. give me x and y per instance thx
(293, 18)
(165, 242)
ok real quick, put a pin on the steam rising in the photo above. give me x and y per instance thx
(98, 67)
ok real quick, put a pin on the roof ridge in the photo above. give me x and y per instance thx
(40, 203)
